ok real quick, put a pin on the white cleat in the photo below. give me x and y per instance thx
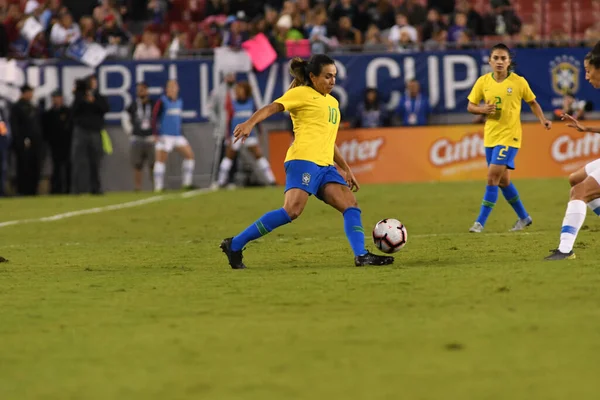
(476, 228)
(521, 224)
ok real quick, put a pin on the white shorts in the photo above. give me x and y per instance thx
(250, 142)
(168, 143)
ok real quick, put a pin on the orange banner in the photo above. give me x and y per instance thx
(448, 153)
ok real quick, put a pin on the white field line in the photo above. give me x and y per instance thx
(112, 207)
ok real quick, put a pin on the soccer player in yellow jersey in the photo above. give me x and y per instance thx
(309, 164)
(503, 91)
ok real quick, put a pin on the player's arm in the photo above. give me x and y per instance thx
(341, 162)
(244, 129)
(539, 113)
(476, 97)
(574, 123)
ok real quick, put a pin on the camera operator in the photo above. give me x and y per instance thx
(89, 108)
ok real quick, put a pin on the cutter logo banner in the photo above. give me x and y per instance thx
(448, 153)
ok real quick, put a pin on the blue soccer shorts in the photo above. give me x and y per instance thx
(310, 177)
(501, 155)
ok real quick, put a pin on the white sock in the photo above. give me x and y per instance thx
(187, 170)
(265, 167)
(159, 176)
(224, 169)
(594, 205)
(572, 222)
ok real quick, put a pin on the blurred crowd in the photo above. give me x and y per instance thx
(151, 29)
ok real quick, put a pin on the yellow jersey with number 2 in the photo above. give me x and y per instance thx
(503, 128)
(316, 119)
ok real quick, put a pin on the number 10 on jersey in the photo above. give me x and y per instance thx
(333, 115)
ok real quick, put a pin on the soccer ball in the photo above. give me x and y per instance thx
(389, 235)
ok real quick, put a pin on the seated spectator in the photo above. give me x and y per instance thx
(474, 20)
(414, 11)
(65, 31)
(459, 26)
(87, 28)
(437, 42)
(111, 34)
(572, 106)
(371, 113)
(414, 106)
(344, 8)
(558, 39)
(502, 20)
(237, 33)
(400, 27)
(105, 9)
(298, 25)
(529, 38)
(464, 41)
(405, 44)
(179, 42)
(147, 49)
(346, 34)
(433, 24)
(320, 42)
(373, 39)
(376, 12)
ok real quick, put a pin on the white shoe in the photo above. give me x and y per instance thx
(521, 224)
(476, 228)
(214, 186)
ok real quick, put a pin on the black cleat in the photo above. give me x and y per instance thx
(372, 259)
(234, 257)
(558, 255)
(3, 260)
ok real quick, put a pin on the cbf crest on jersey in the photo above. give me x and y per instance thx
(565, 71)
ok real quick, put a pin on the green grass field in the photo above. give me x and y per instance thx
(140, 303)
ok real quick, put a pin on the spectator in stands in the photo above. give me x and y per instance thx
(371, 113)
(414, 11)
(107, 8)
(343, 8)
(437, 42)
(318, 35)
(414, 106)
(378, 12)
(250, 8)
(402, 26)
(147, 49)
(445, 7)
(284, 32)
(558, 39)
(528, 38)
(474, 20)
(373, 39)
(298, 25)
(459, 25)
(501, 21)
(237, 32)
(89, 108)
(346, 34)
(464, 41)
(58, 132)
(572, 106)
(27, 141)
(87, 28)
(303, 10)
(179, 43)
(433, 24)
(110, 33)
(137, 124)
(590, 36)
(137, 15)
(65, 31)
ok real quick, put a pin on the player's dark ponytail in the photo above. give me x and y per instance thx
(502, 46)
(301, 69)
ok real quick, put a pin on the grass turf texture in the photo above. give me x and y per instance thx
(140, 303)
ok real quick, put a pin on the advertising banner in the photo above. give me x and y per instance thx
(449, 153)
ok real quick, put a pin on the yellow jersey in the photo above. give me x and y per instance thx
(316, 119)
(502, 128)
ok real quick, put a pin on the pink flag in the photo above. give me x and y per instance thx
(260, 52)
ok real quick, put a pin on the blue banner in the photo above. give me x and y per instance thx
(446, 77)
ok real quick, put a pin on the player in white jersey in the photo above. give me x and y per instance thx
(585, 182)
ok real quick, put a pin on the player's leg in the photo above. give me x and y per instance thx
(496, 160)
(163, 147)
(262, 163)
(337, 194)
(137, 162)
(511, 194)
(579, 176)
(188, 164)
(298, 187)
(575, 215)
(227, 163)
